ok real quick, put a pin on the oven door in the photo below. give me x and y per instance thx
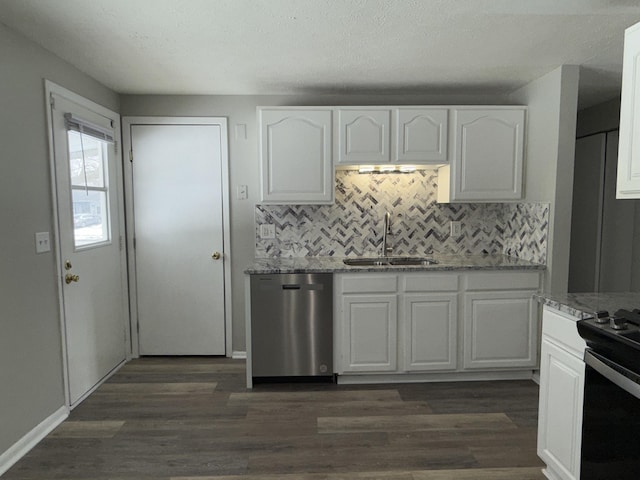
(611, 421)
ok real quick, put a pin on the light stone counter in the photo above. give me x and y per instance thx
(336, 265)
(583, 305)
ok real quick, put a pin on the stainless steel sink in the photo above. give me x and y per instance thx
(382, 261)
(412, 261)
(365, 262)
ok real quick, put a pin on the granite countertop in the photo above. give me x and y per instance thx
(335, 265)
(583, 305)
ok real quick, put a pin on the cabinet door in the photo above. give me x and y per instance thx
(430, 331)
(560, 411)
(500, 330)
(364, 136)
(421, 135)
(629, 154)
(296, 156)
(487, 162)
(369, 333)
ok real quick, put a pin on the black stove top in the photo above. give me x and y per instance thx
(614, 336)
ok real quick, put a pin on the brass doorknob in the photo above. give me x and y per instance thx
(68, 278)
(215, 255)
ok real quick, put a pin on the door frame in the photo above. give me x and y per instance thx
(127, 122)
(53, 88)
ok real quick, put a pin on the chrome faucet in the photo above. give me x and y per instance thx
(386, 230)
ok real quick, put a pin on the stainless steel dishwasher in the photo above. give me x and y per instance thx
(292, 325)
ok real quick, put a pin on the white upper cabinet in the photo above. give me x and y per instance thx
(364, 136)
(487, 162)
(391, 135)
(296, 155)
(629, 147)
(420, 135)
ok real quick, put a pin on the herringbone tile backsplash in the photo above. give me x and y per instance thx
(353, 225)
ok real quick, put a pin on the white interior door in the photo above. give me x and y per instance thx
(90, 245)
(179, 251)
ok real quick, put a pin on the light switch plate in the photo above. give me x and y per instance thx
(43, 242)
(456, 229)
(267, 231)
(241, 193)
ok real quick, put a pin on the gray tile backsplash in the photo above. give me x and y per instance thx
(353, 225)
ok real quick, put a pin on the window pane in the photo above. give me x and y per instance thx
(87, 171)
(90, 217)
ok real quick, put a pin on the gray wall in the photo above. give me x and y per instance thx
(31, 382)
(599, 118)
(605, 117)
(552, 101)
(244, 162)
(30, 346)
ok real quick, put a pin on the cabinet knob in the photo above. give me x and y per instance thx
(216, 255)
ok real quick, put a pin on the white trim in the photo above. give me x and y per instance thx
(99, 384)
(237, 355)
(50, 89)
(352, 379)
(127, 122)
(31, 439)
(536, 377)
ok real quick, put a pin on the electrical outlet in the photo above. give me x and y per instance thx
(456, 229)
(267, 231)
(42, 242)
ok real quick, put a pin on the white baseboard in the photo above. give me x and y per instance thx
(536, 376)
(363, 379)
(239, 355)
(31, 439)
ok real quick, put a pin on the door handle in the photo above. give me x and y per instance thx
(68, 278)
(216, 255)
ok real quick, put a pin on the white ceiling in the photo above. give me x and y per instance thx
(331, 46)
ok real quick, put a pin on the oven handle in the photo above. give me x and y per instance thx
(624, 378)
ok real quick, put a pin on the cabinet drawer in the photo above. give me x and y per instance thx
(503, 281)
(430, 283)
(368, 283)
(562, 328)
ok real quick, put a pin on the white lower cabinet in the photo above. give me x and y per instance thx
(500, 320)
(562, 372)
(500, 329)
(430, 331)
(370, 326)
(412, 322)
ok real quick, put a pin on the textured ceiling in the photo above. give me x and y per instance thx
(331, 46)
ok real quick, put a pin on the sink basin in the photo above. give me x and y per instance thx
(382, 261)
(412, 261)
(365, 262)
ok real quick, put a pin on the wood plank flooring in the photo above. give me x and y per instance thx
(192, 419)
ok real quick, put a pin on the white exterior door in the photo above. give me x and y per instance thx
(179, 248)
(90, 216)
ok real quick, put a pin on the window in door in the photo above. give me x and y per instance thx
(88, 164)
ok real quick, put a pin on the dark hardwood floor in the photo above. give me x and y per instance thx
(193, 419)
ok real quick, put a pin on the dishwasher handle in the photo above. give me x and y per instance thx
(291, 286)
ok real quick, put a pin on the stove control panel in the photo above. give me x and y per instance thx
(622, 326)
